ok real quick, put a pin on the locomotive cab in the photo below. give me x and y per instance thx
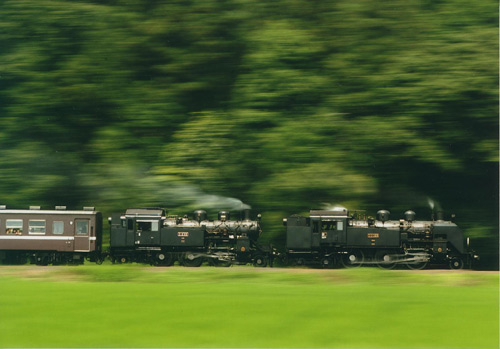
(321, 229)
(137, 227)
(329, 226)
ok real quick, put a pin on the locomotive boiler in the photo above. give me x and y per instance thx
(333, 237)
(152, 236)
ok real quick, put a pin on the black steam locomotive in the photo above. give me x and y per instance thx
(151, 236)
(333, 237)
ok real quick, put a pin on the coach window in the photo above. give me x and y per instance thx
(37, 227)
(14, 226)
(82, 227)
(58, 228)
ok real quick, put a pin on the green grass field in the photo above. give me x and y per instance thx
(135, 306)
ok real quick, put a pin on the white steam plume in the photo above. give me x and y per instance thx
(433, 204)
(330, 207)
(220, 202)
(184, 194)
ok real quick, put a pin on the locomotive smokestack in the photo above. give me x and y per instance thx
(246, 214)
(439, 215)
(436, 210)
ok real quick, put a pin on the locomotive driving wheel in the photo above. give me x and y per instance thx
(164, 259)
(259, 261)
(353, 259)
(189, 259)
(385, 260)
(456, 263)
(328, 262)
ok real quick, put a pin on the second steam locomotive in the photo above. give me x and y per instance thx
(333, 237)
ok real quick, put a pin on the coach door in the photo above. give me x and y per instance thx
(82, 241)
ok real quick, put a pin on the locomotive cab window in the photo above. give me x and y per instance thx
(328, 225)
(340, 225)
(332, 225)
(14, 226)
(147, 225)
(36, 227)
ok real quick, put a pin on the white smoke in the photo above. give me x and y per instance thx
(179, 194)
(207, 201)
(431, 203)
(434, 204)
(330, 207)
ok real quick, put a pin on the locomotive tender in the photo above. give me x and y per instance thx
(332, 237)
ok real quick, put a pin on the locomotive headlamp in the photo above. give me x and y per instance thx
(243, 249)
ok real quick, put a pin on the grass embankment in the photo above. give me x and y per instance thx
(134, 306)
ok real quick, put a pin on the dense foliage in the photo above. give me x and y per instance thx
(286, 105)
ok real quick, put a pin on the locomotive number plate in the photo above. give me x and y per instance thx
(183, 234)
(373, 235)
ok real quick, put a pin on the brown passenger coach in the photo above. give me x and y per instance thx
(44, 237)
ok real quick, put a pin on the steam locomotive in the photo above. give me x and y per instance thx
(326, 238)
(333, 237)
(150, 236)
